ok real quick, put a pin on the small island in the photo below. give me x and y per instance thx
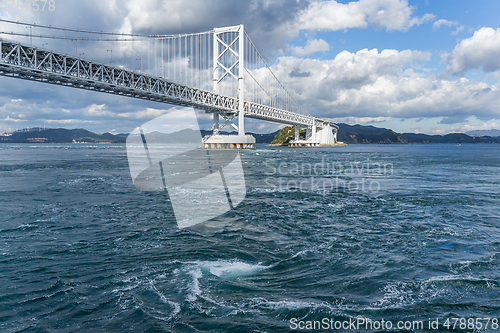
(285, 135)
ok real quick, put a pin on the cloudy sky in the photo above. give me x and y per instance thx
(430, 66)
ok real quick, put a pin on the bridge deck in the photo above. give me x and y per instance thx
(31, 63)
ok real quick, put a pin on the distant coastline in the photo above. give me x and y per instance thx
(350, 134)
(60, 135)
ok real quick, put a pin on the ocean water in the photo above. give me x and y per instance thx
(406, 233)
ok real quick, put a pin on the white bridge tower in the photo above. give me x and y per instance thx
(229, 62)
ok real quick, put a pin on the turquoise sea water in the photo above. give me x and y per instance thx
(406, 233)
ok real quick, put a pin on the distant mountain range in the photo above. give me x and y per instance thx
(351, 134)
(62, 135)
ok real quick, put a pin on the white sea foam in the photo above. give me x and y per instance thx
(456, 278)
(194, 288)
(226, 269)
(265, 305)
(230, 269)
(405, 293)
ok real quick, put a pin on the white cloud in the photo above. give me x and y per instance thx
(441, 22)
(419, 20)
(477, 125)
(482, 50)
(173, 15)
(388, 14)
(69, 121)
(457, 30)
(331, 15)
(375, 84)
(271, 20)
(361, 120)
(312, 46)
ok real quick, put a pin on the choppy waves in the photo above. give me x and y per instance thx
(83, 250)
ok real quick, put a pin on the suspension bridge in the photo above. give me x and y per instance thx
(218, 71)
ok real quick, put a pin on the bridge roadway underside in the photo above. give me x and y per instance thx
(30, 63)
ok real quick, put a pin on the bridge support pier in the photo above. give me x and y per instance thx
(324, 136)
(230, 142)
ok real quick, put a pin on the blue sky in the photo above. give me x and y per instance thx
(412, 66)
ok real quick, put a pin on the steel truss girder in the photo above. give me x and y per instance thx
(31, 63)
